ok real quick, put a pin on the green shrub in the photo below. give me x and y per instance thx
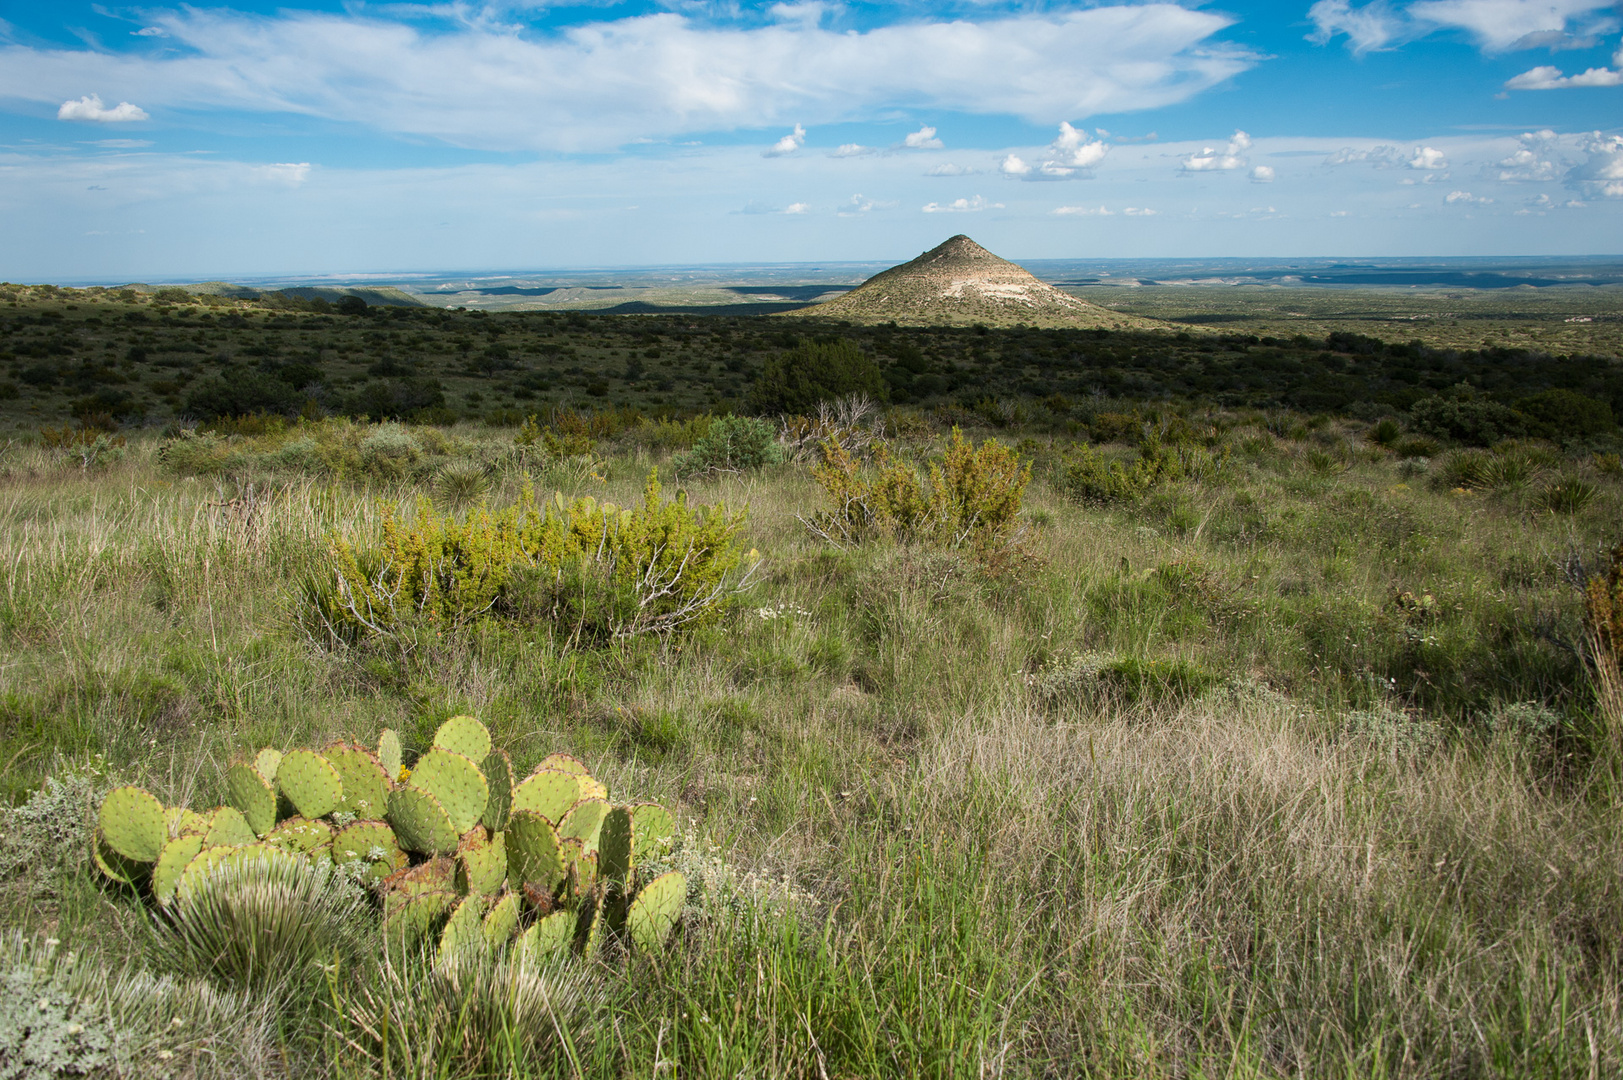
(732, 444)
(1564, 414)
(594, 567)
(1462, 416)
(795, 382)
(1569, 495)
(971, 499)
(240, 392)
(1086, 477)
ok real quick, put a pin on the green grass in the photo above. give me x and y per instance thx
(1107, 815)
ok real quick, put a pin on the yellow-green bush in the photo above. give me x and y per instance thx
(592, 568)
(971, 499)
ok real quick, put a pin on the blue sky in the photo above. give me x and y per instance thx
(346, 137)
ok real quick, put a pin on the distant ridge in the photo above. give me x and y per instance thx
(958, 283)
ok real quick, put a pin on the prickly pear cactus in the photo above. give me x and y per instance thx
(460, 856)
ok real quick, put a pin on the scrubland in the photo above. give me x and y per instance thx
(1280, 757)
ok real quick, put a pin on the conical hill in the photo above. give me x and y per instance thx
(959, 283)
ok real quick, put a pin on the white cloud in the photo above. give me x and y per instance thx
(1210, 160)
(1428, 159)
(1014, 165)
(600, 85)
(1382, 157)
(923, 139)
(150, 31)
(1338, 213)
(90, 107)
(852, 149)
(1139, 211)
(788, 144)
(858, 204)
(1496, 25)
(1549, 77)
(1501, 25)
(1525, 166)
(959, 206)
(1085, 211)
(1601, 173)
(288, 172)
(797, 208)
(1466, 197)
(1373, 26)
(1262, 174)
(950, 169)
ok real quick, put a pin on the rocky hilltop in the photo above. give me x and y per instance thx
(959, 283)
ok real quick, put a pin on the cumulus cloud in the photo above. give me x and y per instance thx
(852, 149)
(960, 206)
(788, 144)
(797, 208)
(1071, 156)
(1549, 77)
(90, 107)
(1230, 157)
(1262, 174)
(1495, 25)
(1466, 197)
(923, 139)
(1601, 173)
(1428, 159)
(599, 85)
(1529, 163)
(1014, 165)
(1085, 211)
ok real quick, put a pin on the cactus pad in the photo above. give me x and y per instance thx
(655, 910)
(563, 763)
(310, 783)
(247, 789)
(200, 869)
(549, 793)
(125, 871)
(464, 735)
(464, 930)
(583, 822)
(370, 842)
(581, 865)
(502, 921)
(300, 834)
(365, 784)
(436, 875)
(181, 820)
(481, 862)
(176, 855)
(550, 935)
(592, 788)
(420, 822)
(389, 753)
(532, 852)
(614, 844)
(498, 770)
(267, 761)
(413, 922)
(134, 824)
(456, 782)
(228, 828)
(651, 831)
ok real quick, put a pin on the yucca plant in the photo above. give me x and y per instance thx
(1567, 496)
(458, 483)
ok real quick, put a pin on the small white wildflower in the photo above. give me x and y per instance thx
(51, 942)
(76, 1029)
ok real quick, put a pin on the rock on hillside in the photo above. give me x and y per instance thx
(960, 283)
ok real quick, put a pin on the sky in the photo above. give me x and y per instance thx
(346, 137)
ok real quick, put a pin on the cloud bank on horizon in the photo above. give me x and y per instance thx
(492, 134)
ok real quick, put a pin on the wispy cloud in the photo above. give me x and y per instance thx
(1495, 25)
(90, 108)
(1084, 211)
(602, 85)
(961, 206)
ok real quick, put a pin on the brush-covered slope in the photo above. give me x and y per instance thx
(959, 283)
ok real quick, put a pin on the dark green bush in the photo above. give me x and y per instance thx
(1463, 417)
(732, 444)
(796, 381)
(1563, 414)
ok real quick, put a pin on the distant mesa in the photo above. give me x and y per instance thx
(960, 283)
